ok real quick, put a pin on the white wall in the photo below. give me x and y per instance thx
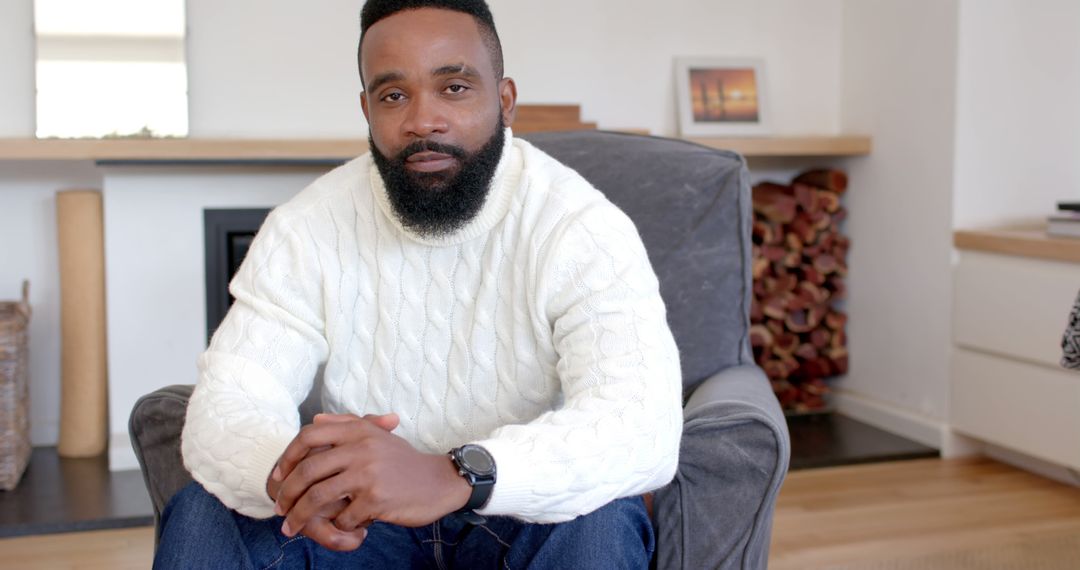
(17, 68)
(28, 218)
(155, 272)
(899, 62)
(1018, 117)
(28, 251)
(262, 69)
(616, 57)
(289, 69)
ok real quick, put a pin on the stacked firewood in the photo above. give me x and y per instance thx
(799, 267)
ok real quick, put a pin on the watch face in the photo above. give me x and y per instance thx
(477, 460)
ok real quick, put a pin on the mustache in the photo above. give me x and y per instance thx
(430, 146)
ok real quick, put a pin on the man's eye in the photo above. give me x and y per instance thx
(393, 97)
(457, 89)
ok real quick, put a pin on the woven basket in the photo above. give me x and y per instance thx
(14, 389)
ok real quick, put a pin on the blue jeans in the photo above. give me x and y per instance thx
(197, 531)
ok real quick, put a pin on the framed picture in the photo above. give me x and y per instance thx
(721, 96)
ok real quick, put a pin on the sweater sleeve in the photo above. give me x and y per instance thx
(617, 432)
(259, 367)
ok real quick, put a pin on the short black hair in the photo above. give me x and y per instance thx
(375, 10)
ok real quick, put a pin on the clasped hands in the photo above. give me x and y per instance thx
(343, 472)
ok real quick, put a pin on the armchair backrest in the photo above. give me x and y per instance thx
(691, 205)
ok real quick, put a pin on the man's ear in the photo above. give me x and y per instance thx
(363, 106)
(508, 96)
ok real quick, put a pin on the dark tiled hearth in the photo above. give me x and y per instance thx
(65, 495)
(828, 440)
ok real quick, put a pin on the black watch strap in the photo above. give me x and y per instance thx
(476, 465)
(481, 492)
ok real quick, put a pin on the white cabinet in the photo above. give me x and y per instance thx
(1010, 307)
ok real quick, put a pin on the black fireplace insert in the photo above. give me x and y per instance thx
(228, 236)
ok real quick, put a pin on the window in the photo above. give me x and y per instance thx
(111, 68)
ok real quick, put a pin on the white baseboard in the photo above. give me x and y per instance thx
(912, 425)
(121, 454)
(959, 445)
(1049, 470)
(937, 434)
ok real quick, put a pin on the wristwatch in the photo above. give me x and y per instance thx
(476, 465)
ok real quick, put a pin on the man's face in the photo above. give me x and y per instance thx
(432, 99)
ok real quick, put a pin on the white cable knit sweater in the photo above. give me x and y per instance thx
(537, 331)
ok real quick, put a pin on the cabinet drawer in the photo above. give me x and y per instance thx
(1013, 306)
(1026, 407)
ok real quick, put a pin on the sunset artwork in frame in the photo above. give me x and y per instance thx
(721, 97)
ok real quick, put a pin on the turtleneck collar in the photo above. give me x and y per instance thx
(503, 184)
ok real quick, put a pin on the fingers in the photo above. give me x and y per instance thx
(314, 471)
(331, 418)
(325, 533)
(310, 438)
(388, 422)
(324, 500)
(310, 472)
(354, 516)
(316, 435)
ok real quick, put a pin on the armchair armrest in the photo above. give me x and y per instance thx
(734, 454)
(156, 422)
(155, 426)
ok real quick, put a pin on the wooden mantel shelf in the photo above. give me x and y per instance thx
(181, 150)
(778, 146)
(1025, 242)
(300, 150)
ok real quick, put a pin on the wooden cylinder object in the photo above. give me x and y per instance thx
(83, 392)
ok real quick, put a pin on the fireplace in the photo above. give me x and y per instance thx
(228, 235)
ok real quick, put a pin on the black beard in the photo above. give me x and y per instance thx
(434, 204)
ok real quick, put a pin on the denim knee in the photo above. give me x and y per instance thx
(621, 516)
(192, 503)
(617, 535)
(198, 531)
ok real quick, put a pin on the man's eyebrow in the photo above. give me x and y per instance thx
(456, 69)
(384, 78)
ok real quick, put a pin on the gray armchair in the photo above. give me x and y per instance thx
(692, 207)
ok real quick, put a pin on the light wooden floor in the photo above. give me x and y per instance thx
(913, 508)
(824, 517)
(124, 549)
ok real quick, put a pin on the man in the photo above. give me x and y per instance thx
(499, 379)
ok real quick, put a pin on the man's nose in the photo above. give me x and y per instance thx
(425, 117)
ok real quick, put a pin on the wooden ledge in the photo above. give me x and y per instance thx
(1024, 242)
(843, 145)
(339, 150)
(180, 149)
